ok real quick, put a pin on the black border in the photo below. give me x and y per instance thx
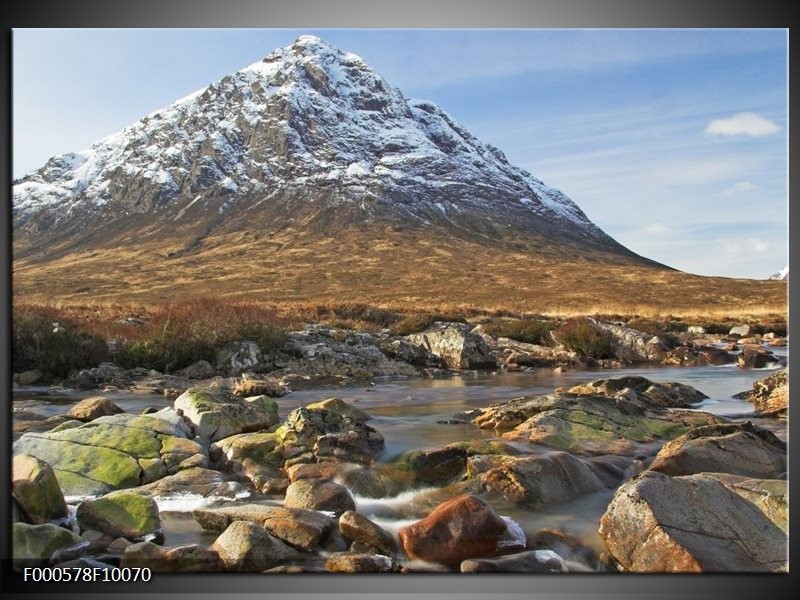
(363, 13)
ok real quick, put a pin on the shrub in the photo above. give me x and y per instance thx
(416, 323)
(530, 331)
(37, 343)
(583, 336)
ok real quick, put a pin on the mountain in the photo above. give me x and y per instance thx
(782, 274)
(306, 175)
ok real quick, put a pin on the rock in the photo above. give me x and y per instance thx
(194, 480)
(438, 466)
(771, 496)
(747, 341)
(298, 527)
(778, 343)
(112, 452)
(667, 395)
(402, 350)
(588, 424)
(697, 356)
(341, 407)
(657, 523)
(461, 528)
(532, 355)
(347, 562)
(696, 330)
(215, 415)
(370, 483)
(633, 346)
(201, 369)
(31, 377)
(740, 330)
(550, 478)
(259, 387)
(741, 449)
(320, 434)
(238, 357)
(33, 545)
(35, 490)
(531, 561)
(319, 494)
(261, 448)
(245, 546)
(181, 559)
(357, 528)
(769, 394)
(456, 345)
(756, 358)
(89, 409)
(572, 549)
(122, 513)
(106, 373)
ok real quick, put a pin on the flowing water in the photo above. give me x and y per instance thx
(407, 412)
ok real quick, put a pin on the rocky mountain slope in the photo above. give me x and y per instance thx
(302, 176)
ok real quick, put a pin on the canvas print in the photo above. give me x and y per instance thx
(399, 301)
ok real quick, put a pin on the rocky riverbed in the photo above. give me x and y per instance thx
(313, 491)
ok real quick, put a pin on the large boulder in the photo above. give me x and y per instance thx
(456, 345)
(438, 466)
(35, 489)
(34, 545)
(670, 394)
(299, 527)
(698, 356)
(318, 494)
(215, 414)
(588, 424)
(461, 528)
(311, 434)
(634, 346)
(246, 546)
(341, 407)
(89, 409)
(770, 394)
(511, 352)
(535, 480)
(741, 449)
(113, 452)
(657, 523)
(191, 558)
(123, 513)
(756, 357)
(262, 447)
(195, 480)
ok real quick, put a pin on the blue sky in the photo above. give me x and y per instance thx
(673, 141)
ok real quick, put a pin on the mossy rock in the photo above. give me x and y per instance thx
(36, 491)
(33, 545)
(124, 513)
(215, 415)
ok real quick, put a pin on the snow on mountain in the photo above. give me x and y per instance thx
(782, 274)
(306, 116)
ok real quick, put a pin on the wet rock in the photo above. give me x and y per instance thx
(357, 528)
(35, 489)
(34, 545)
(89, 409)
(112, 452)
(588, 424)
(370, 483)
(347, 562)
(341, 407)
(122, 513)
(238, 357)
(667, 395)
(770, 394)
(438, 466)
(31, 377)
(301, 528)
(456, 345)
(319, 494)
(756, 357)
(532, 355)
(536, 480)
(246, 547)
(259, 387)
(531, 561)
(194, 480)
(741, 449)
(740, 330)
(657, 523)
(201, 369)
(697, 356)
(573, 550)
(312, 434)
(327, 471)
(770, 496)
(261, 448)
(215, 414)
(181, 559)
(461, 528)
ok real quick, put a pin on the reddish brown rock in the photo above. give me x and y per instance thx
(461, 528)
(89, 409)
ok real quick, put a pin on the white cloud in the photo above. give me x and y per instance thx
(657, 229)
(738, 187)
(745, 246)
(745, 123)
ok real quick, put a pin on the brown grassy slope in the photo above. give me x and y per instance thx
(389, 269)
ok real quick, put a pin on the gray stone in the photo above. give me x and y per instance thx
(245, 546)
(531, 561)
(35, 489)
(456, 345)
